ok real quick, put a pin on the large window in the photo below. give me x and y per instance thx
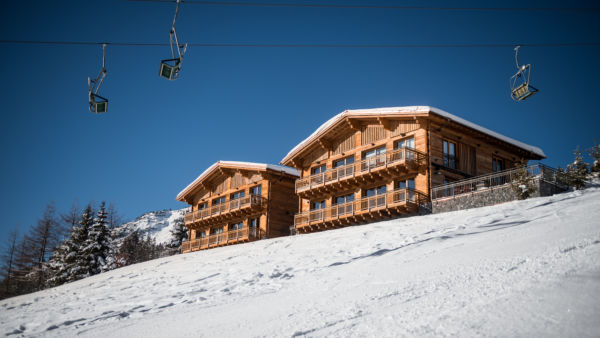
(449, 154)
(236, 226)
(237, 195)
(218, 201)
(406, 143)
(318, 170)
(202, 205)
(344, 199)
(410, 184)
(254, 223)
(256, 190)
(216, 231)
(373, 158)
(497, 165)
(374, 191)
(200, 234)
(343, 162)
(317, 205)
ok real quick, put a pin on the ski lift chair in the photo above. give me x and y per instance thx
(169, 68)
(520, 88)
(98, 104)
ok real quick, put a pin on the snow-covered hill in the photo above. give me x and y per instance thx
(527, 268)
(157, 224)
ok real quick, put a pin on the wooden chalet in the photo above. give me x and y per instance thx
(236, 202)
(370, 164)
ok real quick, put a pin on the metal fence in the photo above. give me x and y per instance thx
(480, 183)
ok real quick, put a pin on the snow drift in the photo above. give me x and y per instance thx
(526, 268)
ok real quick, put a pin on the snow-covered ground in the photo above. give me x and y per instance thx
(529, 268)
(156, 224)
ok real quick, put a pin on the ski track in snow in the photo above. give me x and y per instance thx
(517, 269)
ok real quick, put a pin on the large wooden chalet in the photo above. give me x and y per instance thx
(369, 164)
(236, 202)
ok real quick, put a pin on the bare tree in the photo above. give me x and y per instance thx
(8, 256)
(71, 217)
(43, 238)
(113, 219)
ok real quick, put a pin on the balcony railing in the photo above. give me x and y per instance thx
(374, 163)
(537, 171)
(224, 208)
(364, 205)
(228, 237)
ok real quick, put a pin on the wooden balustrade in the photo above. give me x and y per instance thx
(224, 208)
(393, 158)
(228, 237)
(364, 205)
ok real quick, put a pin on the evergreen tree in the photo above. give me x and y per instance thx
(129, 250)
(78, 262)
(97, 244)
(595, 155)
(179, 233)
(577, 171)
(58, 265)
(523, 184)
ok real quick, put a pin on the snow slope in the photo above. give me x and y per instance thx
(157, 224)
(528, 268)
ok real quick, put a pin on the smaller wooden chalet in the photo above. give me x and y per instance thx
(235, 202)
(369, 164)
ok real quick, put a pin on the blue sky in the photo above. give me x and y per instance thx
(255, 104)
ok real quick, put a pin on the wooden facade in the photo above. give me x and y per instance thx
(372, 164)
(236, 202)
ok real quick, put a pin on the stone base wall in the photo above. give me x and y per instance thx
(489, 196)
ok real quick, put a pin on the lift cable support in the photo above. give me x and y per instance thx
(98, 104)
(520, 89)
(169, 68)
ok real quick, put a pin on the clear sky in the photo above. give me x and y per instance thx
(255, 104)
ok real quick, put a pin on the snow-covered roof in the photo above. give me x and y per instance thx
(408, 110)
(236, 164)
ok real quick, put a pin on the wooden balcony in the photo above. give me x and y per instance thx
(226, 238)
(224, 212)
(383, 166)
(364, 210)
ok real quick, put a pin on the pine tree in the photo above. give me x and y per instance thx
(129, 250)
(179, 233)
(58, 265)
(78, 262)
(97, 244)
(523, 184)
(577, 171)
(595, 155)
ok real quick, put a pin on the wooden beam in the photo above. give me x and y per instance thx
(385, 123)
(353, 124)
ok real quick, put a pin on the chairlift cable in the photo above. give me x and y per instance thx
(420, 8)
(300, 45)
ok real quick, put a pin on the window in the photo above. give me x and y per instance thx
(218, 201)
(318, 170)
(497, 165)
(410, 184)
(236, 226)
(406, 143)
(200, 234)
(373, 158)
(256, 190)
(216, 231)
(344, 199)
(343, 162)
(317, 205)
(449, 154)
(374, 191)
(254, 223)
(237, 195)
(202, 205)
